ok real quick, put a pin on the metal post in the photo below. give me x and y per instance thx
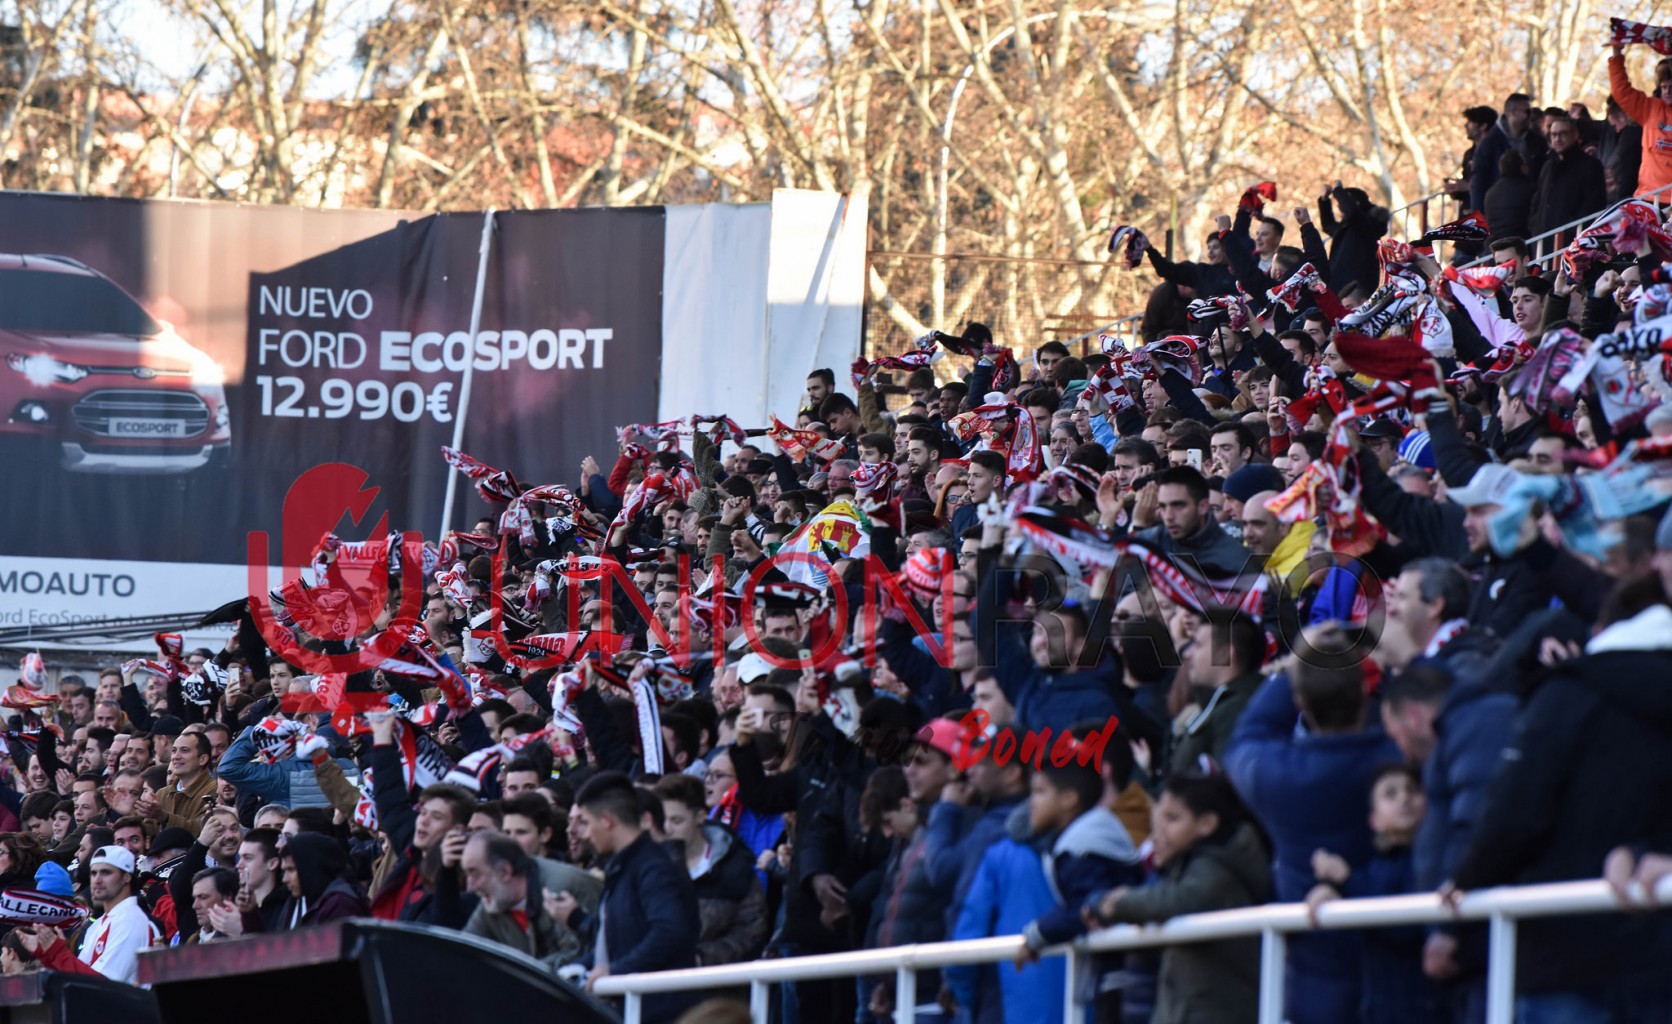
(905, 996)
(464, 381)
(1073, 1009)
(1273, 951)
(630, 1011)
(760, 1002)
(1500, 970)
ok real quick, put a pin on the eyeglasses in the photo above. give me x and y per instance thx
(714, 776)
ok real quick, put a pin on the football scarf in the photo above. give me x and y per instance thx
(496, 486)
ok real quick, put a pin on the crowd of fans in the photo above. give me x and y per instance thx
(1349, 580)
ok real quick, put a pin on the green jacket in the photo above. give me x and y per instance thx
(1207, 981)
(1210, 731)
(546, 939)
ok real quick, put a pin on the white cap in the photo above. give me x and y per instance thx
(752, 668)
(1490, 484)
(118, 857)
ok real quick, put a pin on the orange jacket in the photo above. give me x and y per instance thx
(1655, 116)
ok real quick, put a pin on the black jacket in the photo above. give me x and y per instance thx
(1570, 186)
(1508, 205)
(1352, 239)
(1588, 768)
(648, 914)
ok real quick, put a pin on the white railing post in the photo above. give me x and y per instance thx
(760, 1002)
(1273, 957)
(905, 995)
(1073, 1008)
(630, 1011)
(1500, 970)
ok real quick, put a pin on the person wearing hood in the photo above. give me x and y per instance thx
(1587, 769)
(731, 904)
(1352, 238)
(1088, 850)
(1308, 788)
(313, 869)
(1210, 857)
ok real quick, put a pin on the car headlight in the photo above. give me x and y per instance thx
(43, 370)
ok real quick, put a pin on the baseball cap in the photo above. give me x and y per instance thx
(944, 735)
(1417, 450)
(1381, 426)
(118, 857)
(752, 668)
(1488, 486)
(167, 725)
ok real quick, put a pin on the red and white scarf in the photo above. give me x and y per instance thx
(799, 444)
(1625, 33)
(494, 485)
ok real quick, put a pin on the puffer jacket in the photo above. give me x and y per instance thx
(1008, 891)
(730, 901)
(1206, 981)
(290, 782)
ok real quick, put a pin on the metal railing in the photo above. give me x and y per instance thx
(1541, 247)
(1502, 908)
(1400, 221)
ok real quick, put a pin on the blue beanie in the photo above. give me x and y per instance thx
(53, 880)
(1251, 479)
(1417, 450)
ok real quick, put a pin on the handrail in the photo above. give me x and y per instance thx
(1401, 216)
(1535, 245)
(1272, 922)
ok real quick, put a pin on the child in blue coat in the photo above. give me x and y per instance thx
(1395, 989)
(1008, 891)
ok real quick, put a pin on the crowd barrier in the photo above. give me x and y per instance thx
(1501, 908)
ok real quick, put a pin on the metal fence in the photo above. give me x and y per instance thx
(1543, 247)
(1025, 301)
(1273, 923)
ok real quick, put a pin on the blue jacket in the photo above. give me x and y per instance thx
(1044, 699)
(1007, 891)
(648, 912)
(958, 838)
(1395, 989)
(1093, 854)
(1470, 731)
(290, 782)
(1310, 792)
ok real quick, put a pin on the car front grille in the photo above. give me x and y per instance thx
(94, 413)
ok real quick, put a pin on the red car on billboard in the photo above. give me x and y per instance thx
(90, 372)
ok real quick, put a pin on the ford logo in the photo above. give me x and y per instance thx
(144, 372)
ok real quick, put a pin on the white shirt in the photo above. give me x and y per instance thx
(113, 944)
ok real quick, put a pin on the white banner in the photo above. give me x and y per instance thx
(64, 591)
